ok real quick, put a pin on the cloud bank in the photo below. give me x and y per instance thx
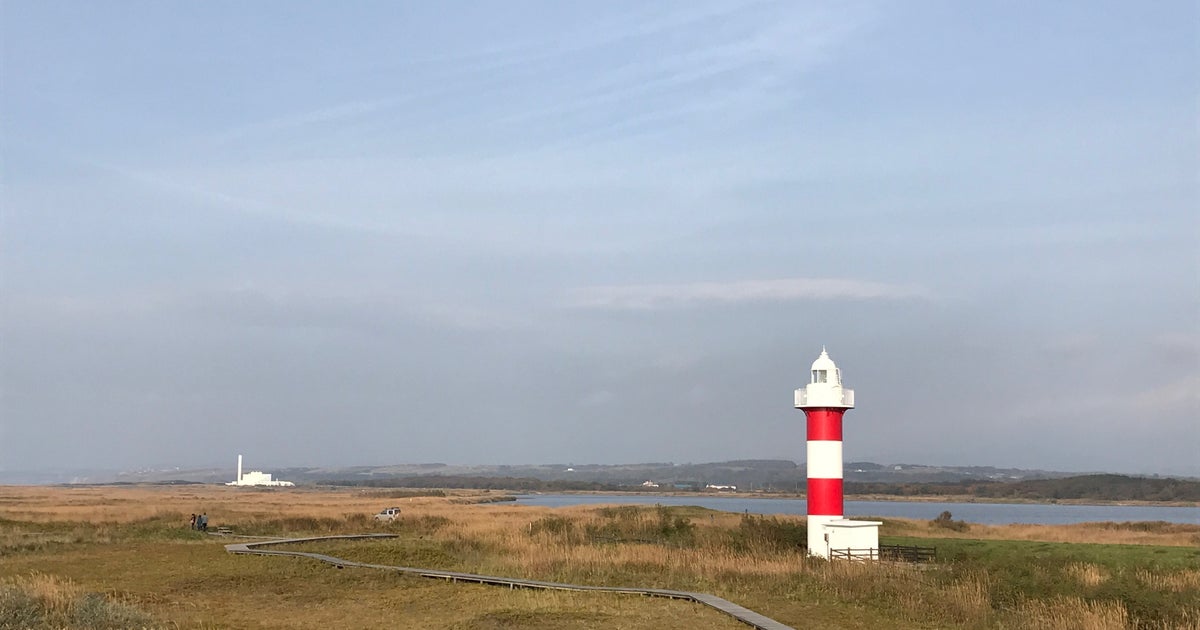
(659, 296)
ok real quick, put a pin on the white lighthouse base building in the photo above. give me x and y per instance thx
(848, 539)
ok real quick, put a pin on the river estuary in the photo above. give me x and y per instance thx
(984, 513)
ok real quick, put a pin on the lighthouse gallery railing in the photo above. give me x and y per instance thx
(846, 400)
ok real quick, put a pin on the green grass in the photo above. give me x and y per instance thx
(1002, 552)
(156, 573)
(185, 579)
(1042, 570)
(185, 585)
(1012, 572)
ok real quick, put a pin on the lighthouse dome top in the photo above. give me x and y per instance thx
(823, 362)
(824, 370)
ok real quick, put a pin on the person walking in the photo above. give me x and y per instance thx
(203, 522)
(192, 524)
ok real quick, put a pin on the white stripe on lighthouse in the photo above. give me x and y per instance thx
(824, 459)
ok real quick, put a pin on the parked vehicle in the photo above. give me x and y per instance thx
(388, 514)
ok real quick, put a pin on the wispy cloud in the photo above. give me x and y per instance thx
(328, 114)
(253, 306)
(658, 296)
(650, 69)
(757, 59)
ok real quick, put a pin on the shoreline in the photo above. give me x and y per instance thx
(496, 493)
(879, 498)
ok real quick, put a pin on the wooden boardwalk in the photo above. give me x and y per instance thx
(744, 615)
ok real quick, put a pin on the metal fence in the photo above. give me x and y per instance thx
(895, 553)
(908, 553)
(854, 554)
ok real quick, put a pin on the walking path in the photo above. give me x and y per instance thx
(745, 615)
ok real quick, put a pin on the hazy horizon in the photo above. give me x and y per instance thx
(212, 466)
(538, 231)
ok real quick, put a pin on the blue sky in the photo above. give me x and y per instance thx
(371, 233)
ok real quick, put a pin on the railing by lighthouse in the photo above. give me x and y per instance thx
(895, 553)
(846, 400)
(870, 553)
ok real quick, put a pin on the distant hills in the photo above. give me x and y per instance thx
(785, 477)
(1083, 487)
(759, 475)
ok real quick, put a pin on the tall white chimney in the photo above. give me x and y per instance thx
(239, 477)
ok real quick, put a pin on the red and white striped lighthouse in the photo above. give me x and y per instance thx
(824, 401)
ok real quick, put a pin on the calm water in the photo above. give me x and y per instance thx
(985, 513)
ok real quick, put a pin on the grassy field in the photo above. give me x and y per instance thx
(123, 557)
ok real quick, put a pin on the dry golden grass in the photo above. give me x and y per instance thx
(1072, 613)
(125, 504)
(53, 592)
(1087, 574)
(969, 599)
(1188, 579)
(39, 600)
(1169, 534)
(68, 536)
(192, 583)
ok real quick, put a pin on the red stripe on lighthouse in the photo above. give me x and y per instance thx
(825, 497)
(824, 424)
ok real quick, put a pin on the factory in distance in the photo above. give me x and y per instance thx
(256, 478)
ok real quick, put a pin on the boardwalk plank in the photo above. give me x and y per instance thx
(744, 615)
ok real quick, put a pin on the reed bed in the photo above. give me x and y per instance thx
(122, 504)
(1185, 580)
(39, 600)
(1004, 577)
(1154, 533)
(1072, 613)
(735, 556)
(1087, 574)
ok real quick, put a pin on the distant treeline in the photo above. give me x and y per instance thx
(1087, 487)
(476, 483)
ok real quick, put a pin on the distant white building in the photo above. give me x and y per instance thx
(713, 486)
(649, 484)
(255, 478)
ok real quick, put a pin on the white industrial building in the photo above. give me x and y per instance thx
(255, 478)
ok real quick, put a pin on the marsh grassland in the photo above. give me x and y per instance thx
(123, 557)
